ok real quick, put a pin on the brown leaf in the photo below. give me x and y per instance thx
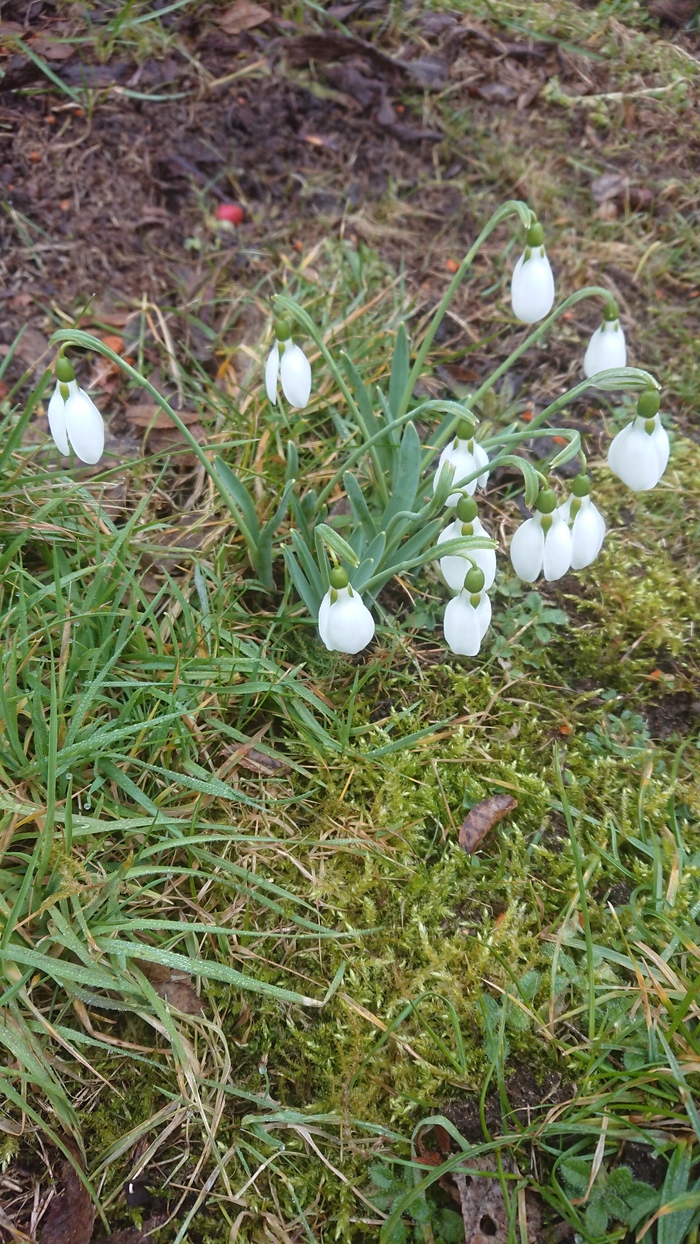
(71, 1215)
(175, 988)
(482, 818)
(484, 1210)
(33, 347)
(50, 48)
(615, 188)
(149, 415)
(260, 762)
(243, 15)
(676, 12)
(495, 92)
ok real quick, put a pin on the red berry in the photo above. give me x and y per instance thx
(232, 212)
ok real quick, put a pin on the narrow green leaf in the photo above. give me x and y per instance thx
(399, 371)
(360, 509)
(336, 542)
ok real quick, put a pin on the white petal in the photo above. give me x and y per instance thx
(323, 619)
(606, 349)
(633, 458)
(350, 625)
(587, 534)
(272, 371)
(57, 418)
(462, 627)
(616, 449)
(463, 462)
(85, 428)
(532, 287)
(565, 510)
(295, 373)
(483, 614)
(454, 567)
(481, 459)
(527, 550)
(659, 439)
(558, 548)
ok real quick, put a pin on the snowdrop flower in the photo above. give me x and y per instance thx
(607, 347)
(466, 456)
(532, 285)
(293, 370)
(586, 522)
(344, 623)
(639, 453)
(74, 420)
(468, 616)
(542, 542)
(455, 566)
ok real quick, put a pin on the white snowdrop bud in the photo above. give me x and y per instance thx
(532, 284)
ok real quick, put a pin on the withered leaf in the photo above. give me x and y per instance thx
(482, 818)
(243, 15)
(175, 988)
(71, 1215)
(149, 415)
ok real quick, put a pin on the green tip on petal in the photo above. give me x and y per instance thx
(546, 502)
(535, 235)
(474, 581)
(64, 370)
(581, 485)
(339, 579)
(648, 404)
(611, 312)
(466, 509)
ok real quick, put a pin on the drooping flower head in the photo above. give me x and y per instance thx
(586, 522)
(74, 420)
(607, 347)
(543, 542)
(455, 566)
(532, 284)
(293, 369)
(345, 624)
(468, 616)
(639, 453)
(467, 456)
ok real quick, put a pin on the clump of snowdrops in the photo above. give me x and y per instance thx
(416, 503)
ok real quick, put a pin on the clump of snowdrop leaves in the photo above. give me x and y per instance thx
(639, 453)
(345, 624)
(468, 616)
(607, 347)
(543, 542)
(292, 369)
(74, 420)
(532, 284)
(454, 567)
(468, 459)
(586, 522)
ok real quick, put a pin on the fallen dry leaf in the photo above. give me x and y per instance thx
(149, 415)
(175, 988)
(482, 818)
(243, 15)
(486, 1218)
(33, 347)
(71, 1215)
(676, 12)
(616, 188)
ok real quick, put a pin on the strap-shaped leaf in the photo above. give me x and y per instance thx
(571, 450)
(334, 541)
(311, 598)
(370, 562)
(399, 371)
(406, 475)
(292, 471)
(358, 505)
(241, 496)
(273, 523)
(417, 542)
(530, 476)
(306, 561)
